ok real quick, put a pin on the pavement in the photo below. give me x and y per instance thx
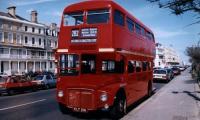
(178, 100)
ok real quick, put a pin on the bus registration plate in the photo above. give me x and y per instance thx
(80, 109)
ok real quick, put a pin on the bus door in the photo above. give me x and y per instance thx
(139, 79)
(131, 82)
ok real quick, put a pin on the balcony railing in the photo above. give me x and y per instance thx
(21, 57)
(33, 45)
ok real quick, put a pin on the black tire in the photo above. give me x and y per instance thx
(34, 89)
(63, 108)
(11, 92)
(119, 108)
(47, 86)
(150, 90)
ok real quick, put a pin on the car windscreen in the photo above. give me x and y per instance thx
(39, 77)
(98, 16)
(159, 72)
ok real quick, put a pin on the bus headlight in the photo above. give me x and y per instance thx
(104, 97)
(60, 93)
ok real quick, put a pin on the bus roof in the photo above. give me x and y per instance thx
(92, 4)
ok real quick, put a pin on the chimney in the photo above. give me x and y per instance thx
(11, 10)
(34, 16)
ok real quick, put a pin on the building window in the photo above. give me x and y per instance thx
(9, 26)
(119, 18)
(33, 29)
(55, 44)
(50, 43)
(44, 42)
(1, 24)
(33, 41)
(51, 65)
(40, 41)
(26, 28)
(53, 33)
(10, 38)
(5, 35)
(1, 36)
(26, 39)
(14, 37)
(39, 31)
(18, 39)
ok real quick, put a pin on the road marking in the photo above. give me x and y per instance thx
(22, 105)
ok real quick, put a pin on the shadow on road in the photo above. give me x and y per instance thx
(191, 94)
(190, 81)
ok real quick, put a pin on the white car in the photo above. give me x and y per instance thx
(45, 81)
(161, 74)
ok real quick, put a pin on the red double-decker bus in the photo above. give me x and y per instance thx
(105, 57)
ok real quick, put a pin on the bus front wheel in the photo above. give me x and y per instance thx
(63, 108)
(119, 108)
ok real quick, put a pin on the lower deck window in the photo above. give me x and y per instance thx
(109, 66)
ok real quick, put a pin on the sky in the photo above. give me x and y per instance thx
(169, 29)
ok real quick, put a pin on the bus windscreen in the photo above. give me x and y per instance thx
(73, 19)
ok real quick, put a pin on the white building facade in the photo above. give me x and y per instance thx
(23, 44)
(165, 56)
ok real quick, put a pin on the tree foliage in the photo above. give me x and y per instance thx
(194, 53)
(179, 7)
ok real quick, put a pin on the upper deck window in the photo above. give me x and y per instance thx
(98, 16)
(119, 18)
(74, 18)
(150, 36)
(130, 24)
(138, 29)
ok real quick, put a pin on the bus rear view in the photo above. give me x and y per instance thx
(98, 68)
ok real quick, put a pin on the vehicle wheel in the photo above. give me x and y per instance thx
(34, 89)
(10, 92)
(150, 91)
(47, 86)
(119, 108)
(63, 108)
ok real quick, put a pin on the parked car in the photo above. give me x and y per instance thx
(13, 84)
(170, 72)
(182, 68)
(176, 71)
(161, 74)
(45, 81)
